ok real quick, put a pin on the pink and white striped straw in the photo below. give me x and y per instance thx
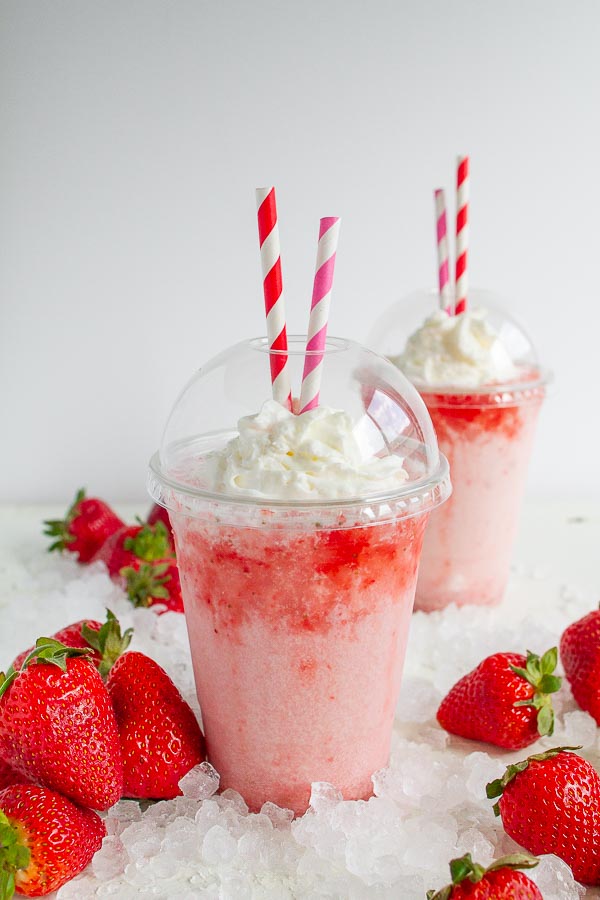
(270, 257)
(445, 290)
(461, 286)
(329, 230)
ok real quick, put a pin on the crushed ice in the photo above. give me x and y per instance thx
(428, 806)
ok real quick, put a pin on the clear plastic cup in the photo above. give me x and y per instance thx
(487, 434)
(298, 612)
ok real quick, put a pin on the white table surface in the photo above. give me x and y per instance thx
(557, 553)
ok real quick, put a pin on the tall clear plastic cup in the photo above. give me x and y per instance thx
(298, 611)
(487, 434)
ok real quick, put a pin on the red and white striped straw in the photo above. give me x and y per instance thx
(445, 290)
(329, 230)
(270, 257)
(461, 286)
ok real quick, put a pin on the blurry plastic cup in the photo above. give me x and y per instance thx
(486, 433)
(298, 612)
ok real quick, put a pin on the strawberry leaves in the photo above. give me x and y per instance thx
(152, 542)
(59, 528)
(109, 642)
(514, 861)
(538, 672)
(147, 583)
(13, 856)
(46, 650)
(463, 868)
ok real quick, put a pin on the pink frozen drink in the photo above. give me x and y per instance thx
(298, 541)
(484, 403)
(487, 438)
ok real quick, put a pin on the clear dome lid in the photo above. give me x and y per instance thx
(387, 414)
(391, 332)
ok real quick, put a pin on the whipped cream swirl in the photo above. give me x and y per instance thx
(316, 455)
(461, 351)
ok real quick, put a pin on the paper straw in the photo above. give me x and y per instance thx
(270, 257)
(329, 230)
(445, 290)
(462, 234)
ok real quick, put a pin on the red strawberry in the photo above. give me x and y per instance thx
(87, 525)
(133, 543)
(156, 582)
(45, 840)
(504, 701)
(550, 803)
(500, 881)
(105, 642)
(57, 725)
(160, 514)
(580, 655)
(9, 776)
(160, 737)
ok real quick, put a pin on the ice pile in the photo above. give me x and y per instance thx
(428, 806)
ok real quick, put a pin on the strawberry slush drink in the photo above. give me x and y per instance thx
(298, 586)
(484, 408)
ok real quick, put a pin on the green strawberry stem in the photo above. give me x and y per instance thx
(46, 650)
(496, 788)
(152, 542)
(463, 869)
(14, 855)
(109, 642)
(147, 583)
(59, 528)
(538, 673)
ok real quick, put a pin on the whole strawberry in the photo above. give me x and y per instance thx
(45, 840)
(89, 522)
(159, 514)
(132, 544)
(157, 582)
(160, 736)
(504, 701)
(500, 881)
(580, 655)
(550, 803)
(57, 725)
(104, 642)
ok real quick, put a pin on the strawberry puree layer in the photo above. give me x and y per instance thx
(469, 540)
(298, 642)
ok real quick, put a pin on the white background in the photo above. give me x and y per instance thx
(133, 134)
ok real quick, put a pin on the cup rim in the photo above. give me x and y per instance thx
(542, 378)
(436, 483)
